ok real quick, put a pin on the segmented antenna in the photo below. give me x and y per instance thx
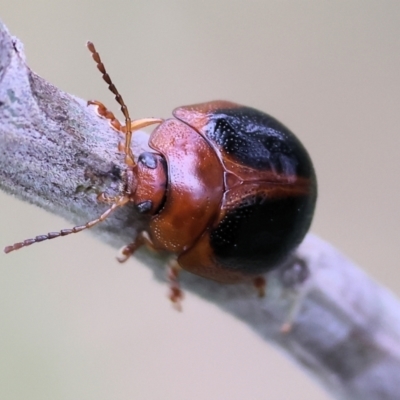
(64, 232)
(118, 97)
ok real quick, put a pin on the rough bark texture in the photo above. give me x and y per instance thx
(54, 150)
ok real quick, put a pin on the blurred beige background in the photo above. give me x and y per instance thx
(74, 324)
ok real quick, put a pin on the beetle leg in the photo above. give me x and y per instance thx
(175, 291)
(287, 325)
(294, 309)
(104, 198)
(126, 251)
(135, 125)
(141, 239)
(132, 126)
(103, 112)
(260, 284)
(173, 268)
(295, 278)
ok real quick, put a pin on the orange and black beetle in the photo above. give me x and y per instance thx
(229, 190)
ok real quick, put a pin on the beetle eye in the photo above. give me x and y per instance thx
(148, 159)
(144, 207)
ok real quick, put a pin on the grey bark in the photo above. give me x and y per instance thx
(55, 152)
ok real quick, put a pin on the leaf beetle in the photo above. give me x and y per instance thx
(228, 190)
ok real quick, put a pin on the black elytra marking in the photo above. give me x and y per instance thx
(258, 140)
(259, 233)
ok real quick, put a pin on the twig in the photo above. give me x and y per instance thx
(55, 153)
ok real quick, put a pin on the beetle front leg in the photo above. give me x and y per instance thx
(103, 112)
(142, 239)
(135, 125)
(126, 251)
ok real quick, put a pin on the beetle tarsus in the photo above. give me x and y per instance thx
(102, 111)
(175, 291)
(104, 198)
(126, 251)
(142, 239)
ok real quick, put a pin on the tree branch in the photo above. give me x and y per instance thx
(55, 151)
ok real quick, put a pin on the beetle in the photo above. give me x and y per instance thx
(228, 190)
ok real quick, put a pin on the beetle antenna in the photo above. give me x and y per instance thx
(118, 97)
(130, 125)
(64, 232)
